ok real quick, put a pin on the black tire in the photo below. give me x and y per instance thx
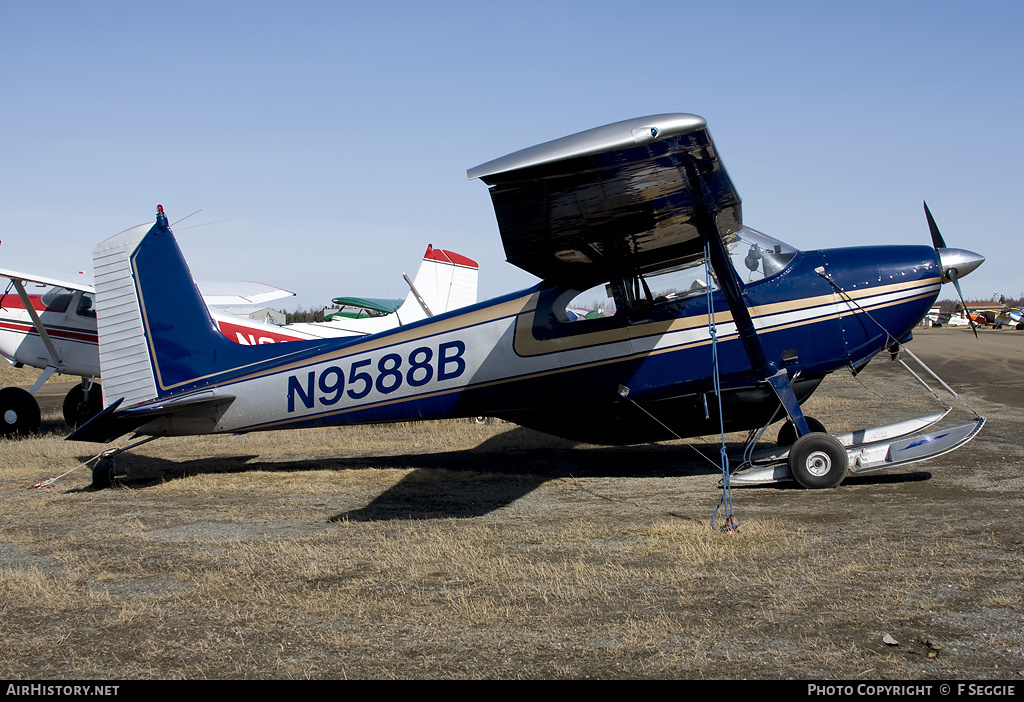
(103, 474)
(77, 409)
(19, 412)
(818, 461)
(787, 434)
(1020, 326)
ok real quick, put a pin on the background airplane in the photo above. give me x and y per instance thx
(445, 281)
(360, 307)
(48, 321)
(55, 330)
(597, 214)
(985, 318)
(1012, 317)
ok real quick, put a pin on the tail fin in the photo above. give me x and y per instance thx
(445, 281)
(156, 335)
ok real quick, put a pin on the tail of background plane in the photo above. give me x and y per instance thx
(445, 281)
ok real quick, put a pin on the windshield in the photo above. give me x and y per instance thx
(753, 255)
(756, 256)
(57, 299)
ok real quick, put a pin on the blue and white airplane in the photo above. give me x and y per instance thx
(637, 219)
(1012, 317)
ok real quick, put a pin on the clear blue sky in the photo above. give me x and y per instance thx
(334, 137)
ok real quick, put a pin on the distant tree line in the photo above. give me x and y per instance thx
(301, 315)
(997, 300)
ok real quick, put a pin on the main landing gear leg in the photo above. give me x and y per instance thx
(82, 403)
(817, 459)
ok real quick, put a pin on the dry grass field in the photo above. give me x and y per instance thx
(457, 550)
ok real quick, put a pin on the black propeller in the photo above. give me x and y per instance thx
(937, 240)
(955, 263)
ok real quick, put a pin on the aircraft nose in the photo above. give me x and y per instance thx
(959, 261)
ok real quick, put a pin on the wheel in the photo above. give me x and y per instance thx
(78, 409)
(19, 412)
(1020, 326)
(787, 434)
(818, 461)
(103, 474)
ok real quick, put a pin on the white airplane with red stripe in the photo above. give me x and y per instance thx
(48, 321)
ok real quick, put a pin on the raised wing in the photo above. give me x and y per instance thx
(239, 293)
(356, 305)
(213, 292)
(54, 278)
(629, 197)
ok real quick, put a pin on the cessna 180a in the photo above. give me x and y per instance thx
(705, 323)
(56, 330)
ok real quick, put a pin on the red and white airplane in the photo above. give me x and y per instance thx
(48, 321)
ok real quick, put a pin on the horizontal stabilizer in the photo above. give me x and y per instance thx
(203, 409)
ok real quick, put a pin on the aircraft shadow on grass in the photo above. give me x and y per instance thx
(475, 482)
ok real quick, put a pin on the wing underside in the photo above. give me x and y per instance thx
(630, 197)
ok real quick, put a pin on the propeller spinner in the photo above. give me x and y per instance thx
(955, 263)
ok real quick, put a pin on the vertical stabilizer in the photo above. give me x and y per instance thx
(162, 358)
(124, 354)
(446, 281)
(156, 335)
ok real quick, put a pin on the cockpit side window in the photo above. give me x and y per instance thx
(565, 312)
(597, 302)
(668, 286)
(753, 255)
(85, 306)
(656, 295)
(57, 299)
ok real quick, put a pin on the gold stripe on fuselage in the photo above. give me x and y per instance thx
(526, 344)
(526, 316)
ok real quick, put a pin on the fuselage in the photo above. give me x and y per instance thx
(522, 357)
(70, 321)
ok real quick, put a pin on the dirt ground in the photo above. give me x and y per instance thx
(456, 550)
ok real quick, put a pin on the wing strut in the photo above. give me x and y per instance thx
(714, 240)
(55, 360)
(419, 298)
